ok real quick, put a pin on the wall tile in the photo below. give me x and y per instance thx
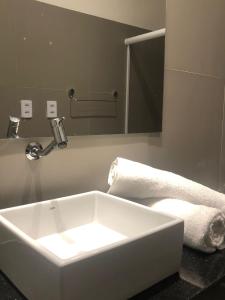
(222, 153)
(8, 63)
(195, 36)
(192, 124)
(50, 47)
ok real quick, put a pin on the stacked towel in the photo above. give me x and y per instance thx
(204, 227)
(201, 208)
(134, 180)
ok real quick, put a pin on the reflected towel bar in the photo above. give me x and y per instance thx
(145, 37)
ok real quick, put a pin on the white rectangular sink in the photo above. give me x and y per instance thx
(89, 246)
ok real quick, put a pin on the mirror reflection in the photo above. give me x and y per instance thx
(69, 58)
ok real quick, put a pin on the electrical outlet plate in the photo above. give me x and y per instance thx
(26, 109)
(51, 109)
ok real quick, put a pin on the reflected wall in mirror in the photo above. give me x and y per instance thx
(76, 55)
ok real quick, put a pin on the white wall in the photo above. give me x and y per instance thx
(149, 14)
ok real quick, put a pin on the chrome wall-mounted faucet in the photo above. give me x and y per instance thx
(13, 127)
(35, 150)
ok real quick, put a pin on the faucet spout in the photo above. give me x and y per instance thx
(35, 151)
(13, 127)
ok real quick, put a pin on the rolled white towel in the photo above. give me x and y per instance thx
(131, 179)
(204, 227)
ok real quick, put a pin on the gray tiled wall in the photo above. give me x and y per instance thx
(195, 64)
(192, 122)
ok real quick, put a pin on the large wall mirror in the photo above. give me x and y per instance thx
(74, 52)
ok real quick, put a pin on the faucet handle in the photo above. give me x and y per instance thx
(35, 151)
(58, 119)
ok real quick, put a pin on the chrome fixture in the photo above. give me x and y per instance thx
(35, 150)
(13, 128)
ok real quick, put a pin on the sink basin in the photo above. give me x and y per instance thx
(88, 246)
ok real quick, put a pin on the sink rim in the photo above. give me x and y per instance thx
(64, 262)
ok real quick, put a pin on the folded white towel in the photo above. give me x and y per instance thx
(134, 180)
(204, 227)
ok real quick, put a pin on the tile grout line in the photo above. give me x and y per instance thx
(221, 184)
(195, 73)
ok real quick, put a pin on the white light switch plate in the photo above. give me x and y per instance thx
(26, 109)
(51, 109)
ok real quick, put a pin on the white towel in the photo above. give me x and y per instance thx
(130, 179)
(204, 227)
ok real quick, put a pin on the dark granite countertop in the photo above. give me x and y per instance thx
(198, 273)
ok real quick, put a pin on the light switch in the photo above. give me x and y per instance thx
(26, 109)
(51, 109)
